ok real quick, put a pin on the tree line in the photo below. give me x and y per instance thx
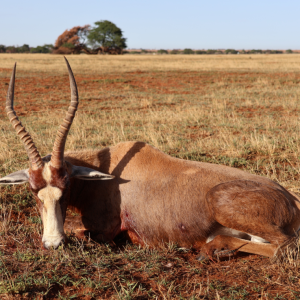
(26, 49)
(65, 47)
(211, 51)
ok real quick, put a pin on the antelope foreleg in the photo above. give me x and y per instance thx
(74, 224)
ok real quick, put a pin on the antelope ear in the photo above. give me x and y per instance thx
(18, 177)
(89, 174)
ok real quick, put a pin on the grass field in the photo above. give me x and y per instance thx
(241, 111)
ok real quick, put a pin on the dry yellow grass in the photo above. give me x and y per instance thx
(99, 64)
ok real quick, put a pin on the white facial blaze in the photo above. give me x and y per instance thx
(52, 216)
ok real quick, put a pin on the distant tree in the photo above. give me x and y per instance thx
(75, 36)
(144, 51)
(210, 51)
(200, 52)
(49, 47)
(42, 49)
(107, 36)
(11, 49)
(175, 51)
(288, 51)
(2, 49)
(256, 51)
(231, 51)
(23, 49)
(272, 51)
(162, 51)
(71, 41)
(188, 51)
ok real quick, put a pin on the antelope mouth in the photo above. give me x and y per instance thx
(53, 241)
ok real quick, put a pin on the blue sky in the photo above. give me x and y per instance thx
(164, 24)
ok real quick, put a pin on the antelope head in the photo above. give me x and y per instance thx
(49, 177)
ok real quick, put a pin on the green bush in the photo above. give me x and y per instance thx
(42, 49)
(162, 51)
(256, 51)
(210, 51)
(231, 51)
(2, 49)
(188, 51)
(23, 49)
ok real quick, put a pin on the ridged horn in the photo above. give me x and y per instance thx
(33, 154)
(57, 158)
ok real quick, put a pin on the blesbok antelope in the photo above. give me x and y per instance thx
(154, 197)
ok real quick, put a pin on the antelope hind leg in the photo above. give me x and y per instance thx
(225, 246)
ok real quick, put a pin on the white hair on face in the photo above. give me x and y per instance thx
(52, 216)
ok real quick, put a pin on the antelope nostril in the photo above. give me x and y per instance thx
(45, 245)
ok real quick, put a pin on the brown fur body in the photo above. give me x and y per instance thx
(157, 199)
